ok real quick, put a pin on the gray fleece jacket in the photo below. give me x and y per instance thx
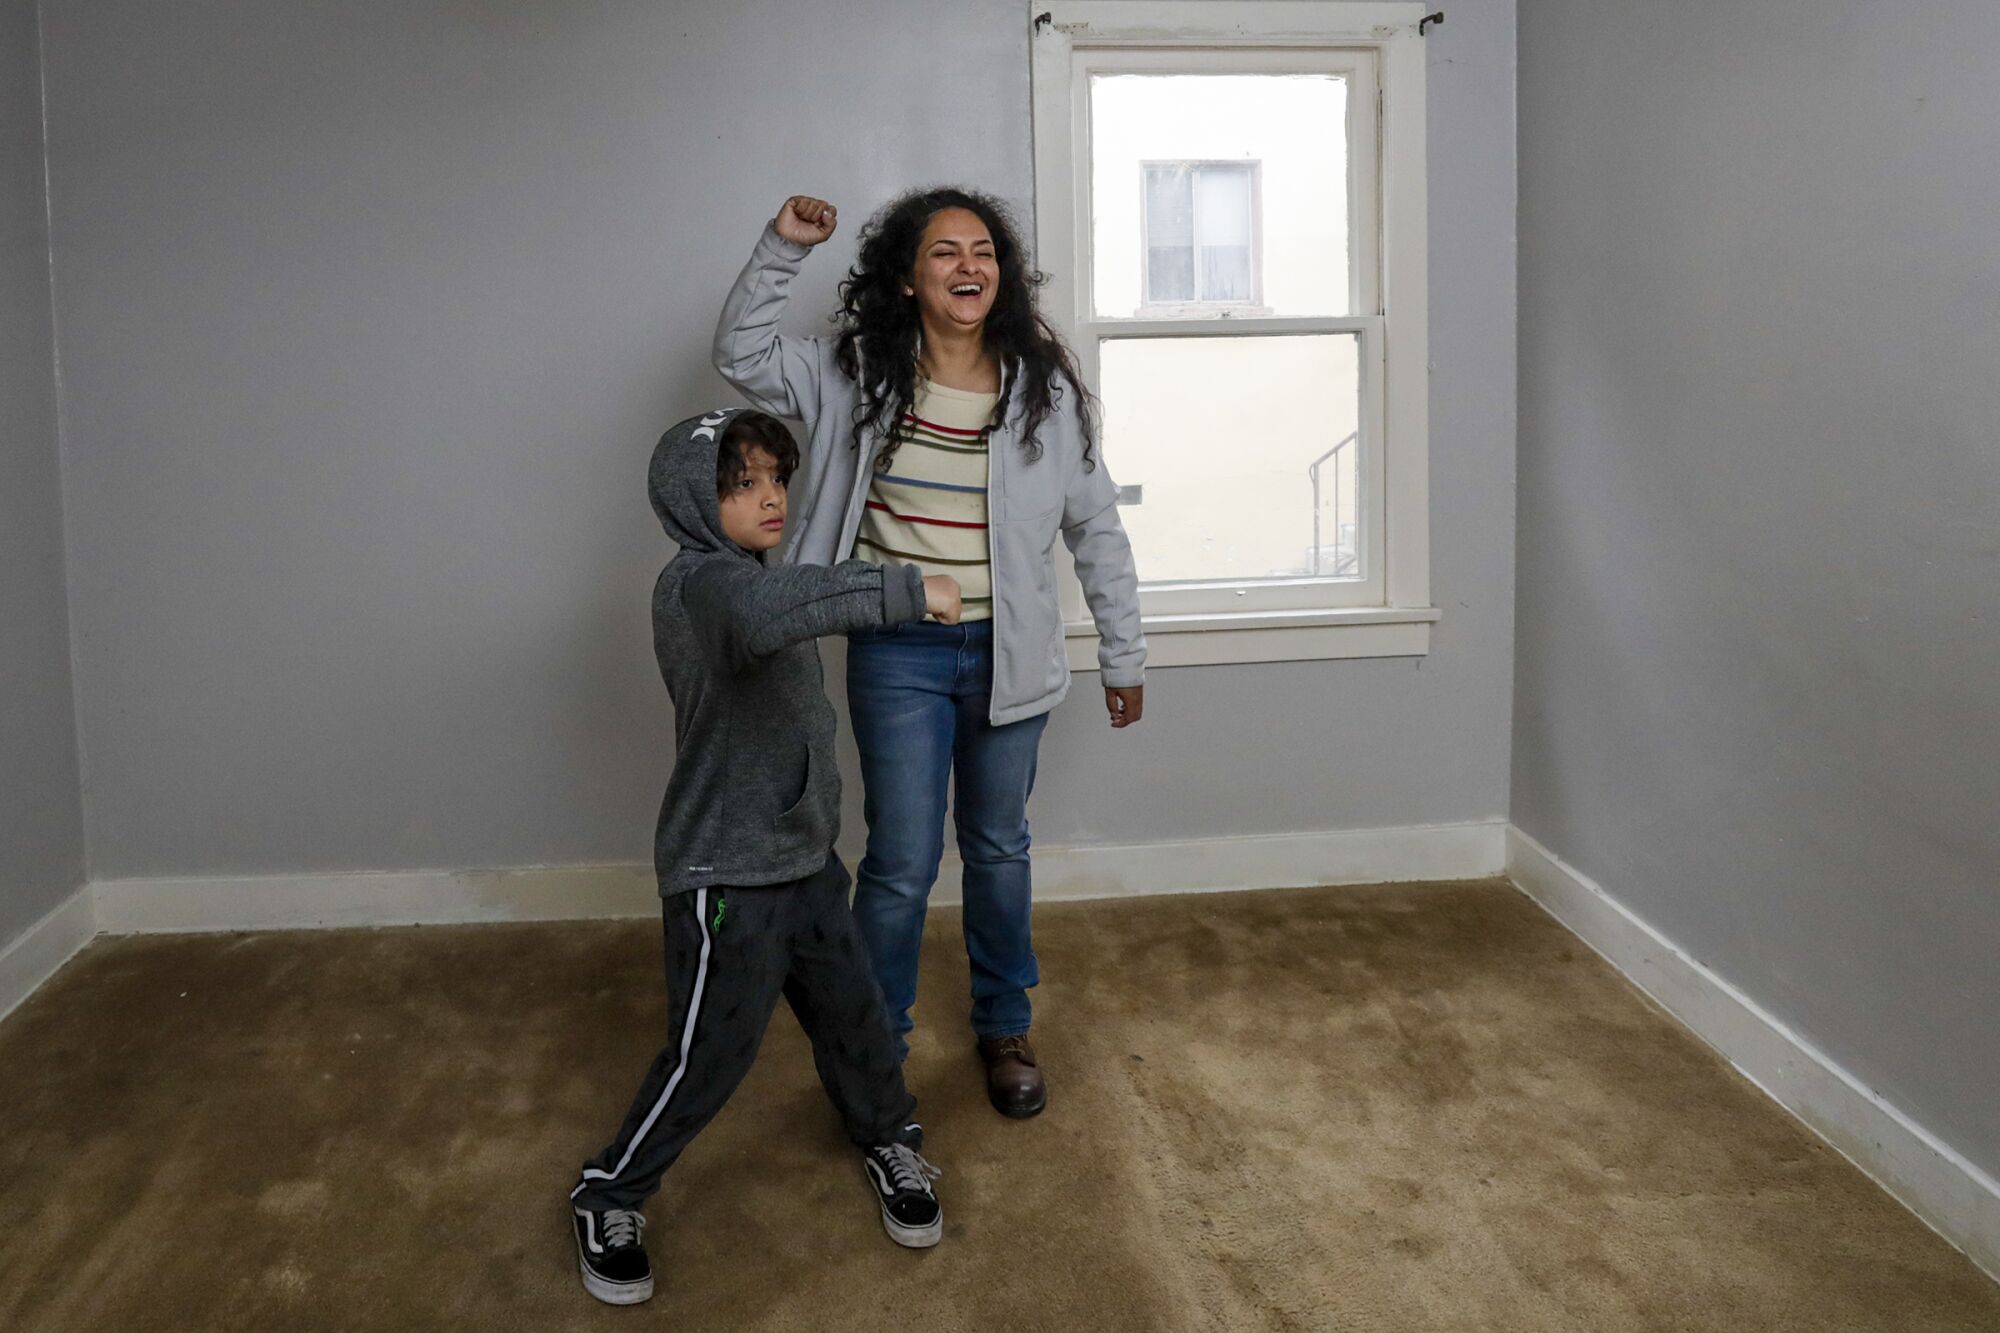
(754, 797)
(1030, 500)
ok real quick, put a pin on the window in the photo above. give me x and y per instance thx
(1200, 246)
(1230, 201)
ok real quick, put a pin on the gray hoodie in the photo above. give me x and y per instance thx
(754, 797)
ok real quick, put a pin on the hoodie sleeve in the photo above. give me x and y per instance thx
(743, 612)
(778, 374)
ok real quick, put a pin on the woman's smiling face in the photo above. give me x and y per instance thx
(957, 274)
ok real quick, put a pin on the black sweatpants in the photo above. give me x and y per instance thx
(731, 952)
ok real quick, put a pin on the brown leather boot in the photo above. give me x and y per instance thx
(1014, 1081)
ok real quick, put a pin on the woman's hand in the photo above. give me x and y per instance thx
(941, 598)
(1125, 703)
(804, 220)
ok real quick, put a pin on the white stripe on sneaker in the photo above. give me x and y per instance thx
(591, 1173)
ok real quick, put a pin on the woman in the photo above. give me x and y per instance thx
(949, 429)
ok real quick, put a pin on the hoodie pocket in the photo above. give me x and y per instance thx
(811, 818)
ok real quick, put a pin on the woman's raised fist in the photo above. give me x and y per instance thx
(804, 220)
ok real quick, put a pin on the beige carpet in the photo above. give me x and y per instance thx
(1396, 1108)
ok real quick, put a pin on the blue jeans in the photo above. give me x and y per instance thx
(918, 696)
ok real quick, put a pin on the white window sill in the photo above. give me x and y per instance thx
(1270, 636)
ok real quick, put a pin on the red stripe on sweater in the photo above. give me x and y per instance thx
(911, 518)
(912, 419)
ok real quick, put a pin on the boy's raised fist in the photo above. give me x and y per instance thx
(941, 598)
(804, 220)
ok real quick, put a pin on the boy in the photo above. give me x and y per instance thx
(755, 901)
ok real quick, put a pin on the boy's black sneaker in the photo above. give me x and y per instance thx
(902, 1181)
(611, 1252)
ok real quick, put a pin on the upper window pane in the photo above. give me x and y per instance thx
(1219, 192)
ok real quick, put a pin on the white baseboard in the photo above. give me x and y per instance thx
(375, 898)
(44, 947)
(557, 893)
(1275, 861)
(1931, 1179)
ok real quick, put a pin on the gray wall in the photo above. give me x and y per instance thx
(369, 316)
(41, 819)
(1758, 692)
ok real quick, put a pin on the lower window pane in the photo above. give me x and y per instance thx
(1244, 451)
(1225, 273)
(1170, 274)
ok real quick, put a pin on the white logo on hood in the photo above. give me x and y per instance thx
(706, 430)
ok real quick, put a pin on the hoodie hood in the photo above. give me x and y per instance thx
(682, 483)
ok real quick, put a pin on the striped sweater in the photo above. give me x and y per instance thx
(929, 508)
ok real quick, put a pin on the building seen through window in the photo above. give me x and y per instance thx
(1224, 197)
(1230, 206)
(1200, 220)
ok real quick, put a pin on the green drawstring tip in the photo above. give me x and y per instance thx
(721, 906)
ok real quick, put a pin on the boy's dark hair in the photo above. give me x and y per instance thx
(747, 431)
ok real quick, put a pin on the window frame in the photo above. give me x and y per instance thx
(1389, 612)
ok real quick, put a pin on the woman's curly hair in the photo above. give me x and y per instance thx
(880, 326)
